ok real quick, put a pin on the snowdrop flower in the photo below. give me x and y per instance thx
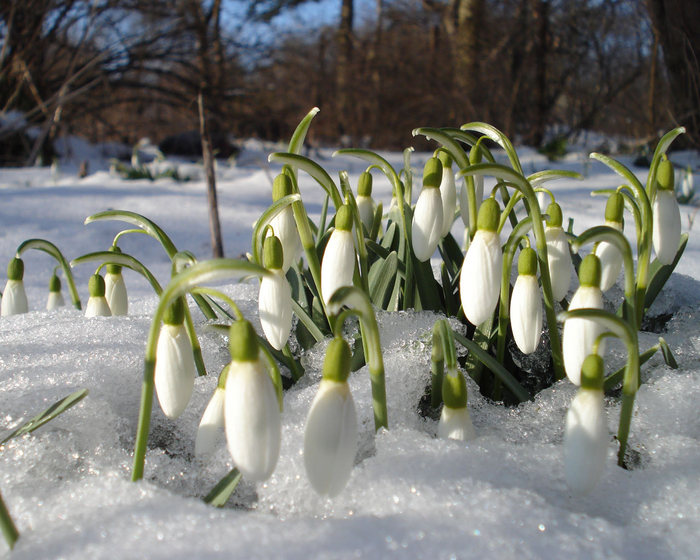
(558, 255)
(365, 203)
(526, 304)
(666, 233)
(175, 369)
(14, 298)
(251, 410)
(97, 305)
(480, 280)
(283, 224)
(455, 422)
(212, 421)
(330, 435)
(586, 431)
(427, 216)
(55, 299)
(579, 335)
(275, 296)
(115, 288)
(609, 255)
(338, 264)
(448, 192)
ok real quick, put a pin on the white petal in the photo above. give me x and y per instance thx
(97, 307)
(526, 313)
(115, 292)
(427, 223)
(210, 425)
(464, 199)
(579, 335)
(14, 299)
(54, 301)
(330, 438)
(252, 418)
(610, 264)
(174, 375)
(365, 206)
(480, 280)
(275, 308)
(285, 228)
(338, 263)
(455, 423)
(448, 194)
(559, 261)
(666, 234)
(585, 441)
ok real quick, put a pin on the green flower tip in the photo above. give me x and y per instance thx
(475, 155)
(15, 270)
(489, 215)
(555, 216)
(336, 366)
(273, 254)
(364, 186)
(454, 390)
(614, 208)
(54, 284)
(281, 187)
(96, 286)
(592, 373)
(527, 262)
(343, 218)
(175, 314)
(243, 342)
(432, 173)
(445, 158)
(589, 271)
(114, 268)
(665, 175)
(223, 376)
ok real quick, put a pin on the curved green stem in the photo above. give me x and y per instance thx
(51, 249)
(299, 135)
(180, 284)
(221, 295)
(359, 236)
(263, 222)
(121, 259)
(119, 235)
(296, 161)
(660, 150)
(358, 303)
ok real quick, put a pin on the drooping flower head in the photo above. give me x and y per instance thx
(609, 255)
(97, 305)
(579, 335)
(666, 232)
(212, 421)
(480, 280)
(365, 203)
(283, 224)
(338, 264)
(14, 297)
(427, 216)
(455, 422)
(115, 288)
(330, 435)
(251, 410)
(275, 296)
(586, 432)
(526, 304)
(175, 368)
(448, 192)
(558, 254)
(55, 299)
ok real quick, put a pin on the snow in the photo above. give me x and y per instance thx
(410, 495)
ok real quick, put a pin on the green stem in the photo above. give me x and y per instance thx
(121, 259)
(9, 530)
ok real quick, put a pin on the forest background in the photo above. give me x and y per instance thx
(543, 71)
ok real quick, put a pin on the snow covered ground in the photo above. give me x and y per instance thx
(410, 495)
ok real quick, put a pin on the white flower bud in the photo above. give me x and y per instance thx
(54, 301)
(285, 228)
(427, 223)
(14, 299)
(526, 313)
(338, 263)
(97, 306)
(579, 335)
(210, 425)
(175, 370)
(455, 423)
(275, 308)
(666, 233)
(480, 278)
(366, 209)
(559, 261)
(115, 293)
(610, 261)
(448, 194)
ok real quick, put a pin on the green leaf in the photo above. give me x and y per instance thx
(497, 136)
(381, 279)
(451, 255)
(297, 140)
(219, 495)
(47, 415)
(451, 300)
(122, 259)
(264, 221)
(307, 321)
(150, 227)
(541, 177)
(426, 285)
(659, 274)
(667, 354)
(312, 168)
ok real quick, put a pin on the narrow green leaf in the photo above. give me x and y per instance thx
(150, 227)
(312, 168)
(264, 221)
(497, 136)
(541, 177)
(297, 140)
(667, 354)
(307, 321)
(47, 415)
(122, 259)
(659, 274)
(219, 495)
(381, 279)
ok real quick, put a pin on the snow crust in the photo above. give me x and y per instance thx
(410, 495)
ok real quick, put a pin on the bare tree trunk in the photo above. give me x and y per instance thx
(214, 224)
(541, 17)
(343, 78)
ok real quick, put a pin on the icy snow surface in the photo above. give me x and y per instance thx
(410, 495)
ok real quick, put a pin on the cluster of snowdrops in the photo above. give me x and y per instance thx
(360, 258)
